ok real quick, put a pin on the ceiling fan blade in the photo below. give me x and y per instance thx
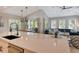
(65, 7)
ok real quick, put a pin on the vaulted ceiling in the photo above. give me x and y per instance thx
(51, 11)
(16, 10)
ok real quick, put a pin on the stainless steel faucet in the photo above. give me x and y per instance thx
(16, 28)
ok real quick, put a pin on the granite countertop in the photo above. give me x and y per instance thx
(41, 43)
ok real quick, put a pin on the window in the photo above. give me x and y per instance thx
(32, 24)
(53, 24)
(15, 21)
(71, 24)
(29, 24)
(62, 24)
(46, 24)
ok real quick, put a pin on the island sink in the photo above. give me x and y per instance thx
(11, 37)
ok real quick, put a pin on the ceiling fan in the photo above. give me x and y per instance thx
(65, 7)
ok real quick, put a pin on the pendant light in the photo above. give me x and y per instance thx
(22, 18)
(26, 14)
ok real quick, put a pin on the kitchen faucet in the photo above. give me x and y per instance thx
(16, 27)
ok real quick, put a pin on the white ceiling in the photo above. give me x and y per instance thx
(58, 12)
(16, 10)
(49, 10)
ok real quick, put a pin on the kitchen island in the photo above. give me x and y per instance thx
(36, 42)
